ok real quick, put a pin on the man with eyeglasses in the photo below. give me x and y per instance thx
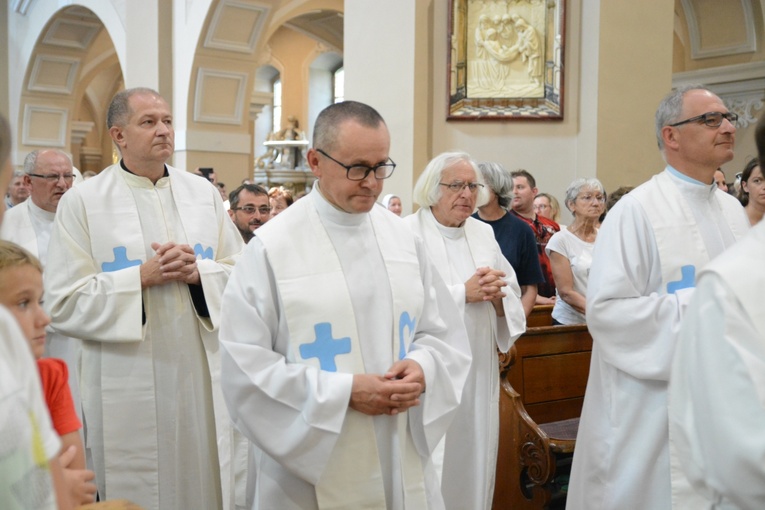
(343, 354)
(649, 250)
(250, 209)
(143, 252)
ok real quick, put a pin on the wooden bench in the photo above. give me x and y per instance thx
(541, 315)
(542, 383)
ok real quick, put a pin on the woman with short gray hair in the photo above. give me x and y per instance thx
(570, 250)
(483, 285)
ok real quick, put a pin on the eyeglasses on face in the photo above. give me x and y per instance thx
(590, 198)
(54, 177)
(457, 187)
(360, 172)
(252, 210)
(711, 119)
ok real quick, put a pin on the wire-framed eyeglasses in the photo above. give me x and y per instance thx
(54, 177)
(252, 210)
(711, 119)
(360, 172)
(457, 187)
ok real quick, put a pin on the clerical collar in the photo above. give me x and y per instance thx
(122, 164)
(39, 212)
(331, 213)
(686, 178)
(690, 187)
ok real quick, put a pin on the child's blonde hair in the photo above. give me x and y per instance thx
(13, 255)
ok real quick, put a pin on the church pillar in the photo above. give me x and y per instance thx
(634, 72)
(390, 71)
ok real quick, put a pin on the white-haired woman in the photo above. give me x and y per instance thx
(570, 250)
(484, 286)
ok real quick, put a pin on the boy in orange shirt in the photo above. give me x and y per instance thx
(21, 291)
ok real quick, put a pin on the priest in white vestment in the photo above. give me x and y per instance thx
(486, 291)
(143, 253)
(343, 356)
(646, 258)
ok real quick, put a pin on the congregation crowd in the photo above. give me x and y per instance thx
(198, 349)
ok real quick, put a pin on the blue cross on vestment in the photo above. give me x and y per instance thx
(202, 252)
(687, 281)
(121, 261)
(325, 347)
(404, 323)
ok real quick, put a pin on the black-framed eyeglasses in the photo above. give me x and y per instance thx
(252, 210)
(54, 177)
(360, 172)
(711, 119)
(457, 187)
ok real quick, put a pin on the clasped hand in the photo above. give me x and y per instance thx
(485, 285)
(172, 262)
(392, 393)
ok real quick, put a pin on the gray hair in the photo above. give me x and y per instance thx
(119, 109)
(30, 162)
(329, 120)
(671, 108)
(18, 173)
(427, 191)
(499, 181)
(578, 185)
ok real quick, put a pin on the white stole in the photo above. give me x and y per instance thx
(308, 272)
(674, 225)
(121, 245)
(17, 227)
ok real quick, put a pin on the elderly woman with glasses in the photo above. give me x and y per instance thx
(485, 288)
(570, 250)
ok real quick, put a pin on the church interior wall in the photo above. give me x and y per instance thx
(606, 132)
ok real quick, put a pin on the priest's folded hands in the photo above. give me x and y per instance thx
(172, 262)
(485, 285)
(392, 393)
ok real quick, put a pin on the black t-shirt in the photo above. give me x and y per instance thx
(518, 245)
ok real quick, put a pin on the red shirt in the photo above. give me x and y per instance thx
(543, 230)
(55, 384)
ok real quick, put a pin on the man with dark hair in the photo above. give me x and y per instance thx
(143, 251)
(643, 274)
(249, 209)
(524, 192)
(716, 404)
(332, 336)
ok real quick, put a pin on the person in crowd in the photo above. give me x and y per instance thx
(716, 404)
(524, 192)
(87, 174)
(280, 198)
(752, 191)
(720, 180)
(249, 209)
(145, 300)
(570, 250)
(547, 205)
(643, 274)
(31, 475)
(222, 190)
(617, 195)
(21, 291)
(484, 287)
(514, 236)
(343, 388)
(392, 203)
(18, 190)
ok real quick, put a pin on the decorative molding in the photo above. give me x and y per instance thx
(39, 72)
(216, 33)
(90, 156)
(71, 33)
(721, 74)
(44, 117)
(233, 117)
(694, 33)
(21, 6)
(744, 105)
(213, 141)
(80, 129)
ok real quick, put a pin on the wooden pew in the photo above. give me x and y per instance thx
(542, 380)
(541, 315)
